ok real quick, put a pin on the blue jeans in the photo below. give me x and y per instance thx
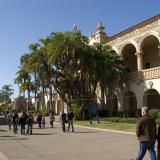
(15, 128)
(29, 129)
(144, 146)
(158, 151)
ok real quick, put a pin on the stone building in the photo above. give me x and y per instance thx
(140, 48)
(20, 104)
(57, 104)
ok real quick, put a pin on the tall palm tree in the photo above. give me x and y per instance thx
(24, 79)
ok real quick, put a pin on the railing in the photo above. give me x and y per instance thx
(151, 73)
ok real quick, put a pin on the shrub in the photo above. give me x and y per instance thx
(76, 110)
(103, 113)
(159, 116)
(118, 119)
(45, 112)
(124, 114)
(154, 113)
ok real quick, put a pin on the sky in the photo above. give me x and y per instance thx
(23, 22)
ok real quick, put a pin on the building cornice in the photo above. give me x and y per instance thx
(132, 31)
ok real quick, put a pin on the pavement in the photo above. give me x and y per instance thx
(52, 144)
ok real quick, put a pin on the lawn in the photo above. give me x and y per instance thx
(130, 127)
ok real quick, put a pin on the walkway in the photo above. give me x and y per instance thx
(84, 144)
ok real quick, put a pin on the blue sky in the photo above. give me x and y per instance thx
(23, 22)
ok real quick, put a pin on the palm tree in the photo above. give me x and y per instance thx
(110, 71)
(24, 81)
(65, 62)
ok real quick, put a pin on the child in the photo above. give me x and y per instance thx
(43, 121)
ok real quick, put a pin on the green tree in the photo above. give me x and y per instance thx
(5, 94)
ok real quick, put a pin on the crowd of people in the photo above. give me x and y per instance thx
(146, 128)
(24, 120)
(27, 119)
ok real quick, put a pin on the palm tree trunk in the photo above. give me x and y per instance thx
(28, 102)
(50, 97)
(43, 97)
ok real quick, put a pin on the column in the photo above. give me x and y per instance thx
(159, 50)
(139, 61)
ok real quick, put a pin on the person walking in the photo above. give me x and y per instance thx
(30, 121)
(22, 122)
(52, 118)
(158, 143)
(39, 119)
(146, 133)
(15, 122)
(9, 119)
(70, 120)
(63, 121)
(43, 121)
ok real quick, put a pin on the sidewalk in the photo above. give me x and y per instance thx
(51, 143)
(2, 156)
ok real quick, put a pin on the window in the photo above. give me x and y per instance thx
(147, 65)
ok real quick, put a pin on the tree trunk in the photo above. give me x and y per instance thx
(50, 98)
(28, 102)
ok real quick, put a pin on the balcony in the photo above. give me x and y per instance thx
(145, 74)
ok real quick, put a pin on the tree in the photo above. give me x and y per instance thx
(24, 79)
(5, 94)
(64, 62)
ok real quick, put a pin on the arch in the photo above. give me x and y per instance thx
(53, 106)
(152, 33)
(130, 59)
(151, 55)
(114, 103)
(151, 98)
(116, 50)
(48, 106)
(129, 102)
(134, 43)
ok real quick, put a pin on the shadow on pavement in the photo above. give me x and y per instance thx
(44, 128)
(39, 134)
(3, 130)
(86, 132)
(7, 136)
(14, 139)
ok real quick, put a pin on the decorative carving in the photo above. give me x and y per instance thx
(138, 39)
(150, 84)
(135, 32)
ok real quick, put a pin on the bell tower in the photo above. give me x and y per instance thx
(99, 37)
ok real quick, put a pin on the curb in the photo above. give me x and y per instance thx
(107, 130)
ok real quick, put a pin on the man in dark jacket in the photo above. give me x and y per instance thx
(70, 120)
(63, 120)
(22, 122)
(146, 133)
(30, 121)
(15, 122)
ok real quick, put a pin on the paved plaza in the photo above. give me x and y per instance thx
(53, 144)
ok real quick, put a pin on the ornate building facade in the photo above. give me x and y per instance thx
(139, 46)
